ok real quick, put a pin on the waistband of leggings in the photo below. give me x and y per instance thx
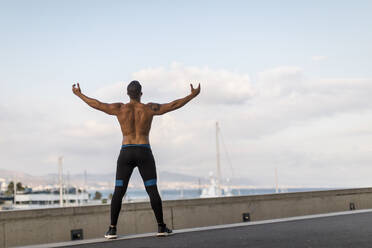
(136, 145)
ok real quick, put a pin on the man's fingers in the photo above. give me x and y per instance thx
(78, 85)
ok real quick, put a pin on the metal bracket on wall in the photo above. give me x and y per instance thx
(246, 217)
(77, 234)
(352, 206)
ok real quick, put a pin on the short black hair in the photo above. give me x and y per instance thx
(134, 89)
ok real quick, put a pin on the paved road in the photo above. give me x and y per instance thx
(353, 230)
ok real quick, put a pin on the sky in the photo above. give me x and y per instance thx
(289, 82)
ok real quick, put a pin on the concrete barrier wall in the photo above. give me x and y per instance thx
(26, 227)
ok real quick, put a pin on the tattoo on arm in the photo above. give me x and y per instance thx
(155, 106)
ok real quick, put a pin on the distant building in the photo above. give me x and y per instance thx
(50, 198)
(3, 185)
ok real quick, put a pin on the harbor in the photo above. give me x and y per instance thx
(242, 124)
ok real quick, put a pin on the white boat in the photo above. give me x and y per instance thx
(215, 189)
(212, 190)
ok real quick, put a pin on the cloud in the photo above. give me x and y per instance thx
(306, 127)
(276, 109)
(168, 83)
(281, 80)
(281, 74)
(288, 95)
(90, 128)
(319, 58)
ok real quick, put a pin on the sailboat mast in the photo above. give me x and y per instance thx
(218, 161)
(276, 181)
(60, 180)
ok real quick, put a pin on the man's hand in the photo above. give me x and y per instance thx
(76, 90)
(196, 91)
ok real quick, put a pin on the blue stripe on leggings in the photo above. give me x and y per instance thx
(138, 145)
(150, 182)
(119, 183)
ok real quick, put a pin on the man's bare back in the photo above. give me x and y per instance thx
(135, 118)
(135, 122)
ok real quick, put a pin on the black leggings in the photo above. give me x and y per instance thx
(130, 157)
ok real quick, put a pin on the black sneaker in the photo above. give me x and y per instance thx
(163, 231)
(111, 233)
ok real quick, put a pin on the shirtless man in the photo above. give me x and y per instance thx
(135, 121)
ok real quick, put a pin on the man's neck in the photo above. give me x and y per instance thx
(132, 100)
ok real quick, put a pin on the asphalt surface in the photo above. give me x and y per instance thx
(353, 230)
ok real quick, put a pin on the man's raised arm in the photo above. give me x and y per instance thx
(111, 109)
(159, 109)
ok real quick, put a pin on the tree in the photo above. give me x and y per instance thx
(20, 187)
(110, 196)
(97, 195)
(10, 190)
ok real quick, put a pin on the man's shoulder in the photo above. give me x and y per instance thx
(153, 106)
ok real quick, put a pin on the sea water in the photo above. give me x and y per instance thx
(177, 194)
